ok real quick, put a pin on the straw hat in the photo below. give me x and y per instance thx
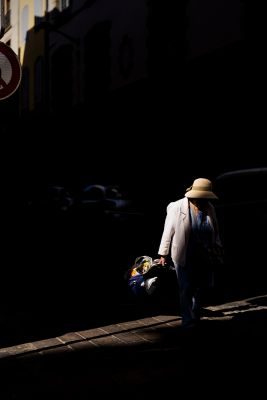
(201, 189)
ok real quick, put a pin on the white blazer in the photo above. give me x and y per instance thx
(177, 228)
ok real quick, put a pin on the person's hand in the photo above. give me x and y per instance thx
(162, 261)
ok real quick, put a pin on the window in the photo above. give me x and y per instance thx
(38, 8)
(24, 22)
(62, 83)
(7, 11)
(24, 87)
(64, 4)
(38, 82)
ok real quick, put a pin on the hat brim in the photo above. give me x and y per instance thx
(200, 194)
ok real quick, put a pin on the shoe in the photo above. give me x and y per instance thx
(198, 313)
(189, 324)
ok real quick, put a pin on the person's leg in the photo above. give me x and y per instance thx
(184, 276)
(201, 285)
(196, 304)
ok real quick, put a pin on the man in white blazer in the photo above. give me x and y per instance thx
(190, 235)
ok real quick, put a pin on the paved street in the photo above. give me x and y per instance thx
(145, 357)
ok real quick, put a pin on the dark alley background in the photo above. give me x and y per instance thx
(140, 96)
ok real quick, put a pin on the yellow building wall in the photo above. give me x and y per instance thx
(33, 47)
(31, 21)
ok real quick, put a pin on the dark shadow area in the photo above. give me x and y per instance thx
(69, 248)
(64, 253)
(242, 216)
(224, 352)
(70, 254)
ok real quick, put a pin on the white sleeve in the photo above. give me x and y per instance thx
(169, 228)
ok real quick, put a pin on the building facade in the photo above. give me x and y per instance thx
(75, 52)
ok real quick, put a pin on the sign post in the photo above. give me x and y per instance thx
(10, 71)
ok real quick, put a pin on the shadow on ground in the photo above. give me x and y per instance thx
(221, 355)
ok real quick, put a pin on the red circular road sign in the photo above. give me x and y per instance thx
(10, 71)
